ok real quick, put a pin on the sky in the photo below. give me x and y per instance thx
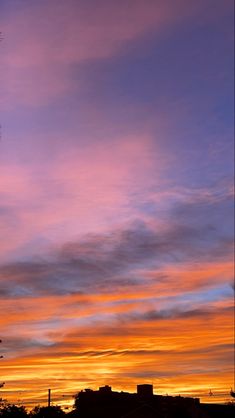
(116, 197)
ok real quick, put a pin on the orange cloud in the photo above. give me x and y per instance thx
(87, 356)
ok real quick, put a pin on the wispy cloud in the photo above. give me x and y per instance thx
(105, 262)
(37, 67)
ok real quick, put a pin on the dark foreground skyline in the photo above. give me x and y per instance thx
(106, 403)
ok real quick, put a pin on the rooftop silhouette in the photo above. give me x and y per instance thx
(105, 402)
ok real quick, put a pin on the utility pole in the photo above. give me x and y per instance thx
(49, 398)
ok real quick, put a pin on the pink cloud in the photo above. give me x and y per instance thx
(80, 191)
(44, 40)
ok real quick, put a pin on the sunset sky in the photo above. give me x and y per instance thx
(116, 197)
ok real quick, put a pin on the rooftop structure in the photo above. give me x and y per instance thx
(144, 403)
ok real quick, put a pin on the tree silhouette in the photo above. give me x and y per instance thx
(13, 411)
(47, 412)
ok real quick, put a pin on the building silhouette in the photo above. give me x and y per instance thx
(145, 390)
(106, 403)
(142, 404)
